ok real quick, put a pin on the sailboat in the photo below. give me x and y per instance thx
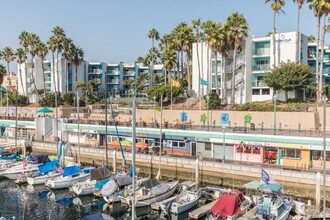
(71, 175)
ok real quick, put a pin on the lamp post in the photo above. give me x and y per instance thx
(275, 114)
(324, 155)
(154, 111)
(223, 143)
(208, 120)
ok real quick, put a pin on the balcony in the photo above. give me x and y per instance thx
(262, 52)
(48, 79)
(114, 81)
(129, 72)
(47, 69)
(261, 67)
(258, 84)
(94, 71)
(113, 72)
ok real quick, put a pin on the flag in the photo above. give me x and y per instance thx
(264, 176)
(204, 82)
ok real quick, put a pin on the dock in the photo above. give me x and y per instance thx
(201, 211)
(310, 212)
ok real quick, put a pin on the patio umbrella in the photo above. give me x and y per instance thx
(44, 110)
(141, 144)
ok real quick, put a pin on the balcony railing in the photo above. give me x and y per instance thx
(113, 81)
(261, 67)
(258, 84)
(262, 52)
(129, 72)
(95, 71)
(114, 72)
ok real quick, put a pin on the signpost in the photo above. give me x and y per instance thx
(183, 116)
(224, 119)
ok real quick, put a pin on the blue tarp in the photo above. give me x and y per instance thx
(46, 167)
(71, 171)
(101, 183)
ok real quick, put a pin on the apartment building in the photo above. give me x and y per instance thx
(254, 59)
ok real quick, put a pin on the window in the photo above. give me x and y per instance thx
(255, 91)
(70, 87)
(239, 149)
(208, 146)
(138, 140)
(265, 91)
(182, 144)
(291, 153)
(318, 155)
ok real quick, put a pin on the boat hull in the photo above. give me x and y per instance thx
(177, 208)
(66, 182)
(42, 179)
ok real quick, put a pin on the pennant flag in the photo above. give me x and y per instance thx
(264, 176)
(24, 163)
(204, 82)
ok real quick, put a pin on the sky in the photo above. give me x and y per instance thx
(116, 30)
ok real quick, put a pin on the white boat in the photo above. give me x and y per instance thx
(14, 171)
(157, 192)
(45, 172)
(71, 175)
(185, 201)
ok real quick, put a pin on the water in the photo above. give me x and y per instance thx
(38, 202)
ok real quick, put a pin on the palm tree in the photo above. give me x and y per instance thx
(206, 26)
(154, 35)
(317, 7)
(23, 41)
(21, 58)
(214, 39)
(52, 47)
(153, 54)
(238, 30)
(196, 24)
(42, 52)
(9, 56)
(59, 37)
(325, 12)
(169, 60)
(187, 41)
(311, 39)
(67, 57)
(300, 4)
(2, 73)
(77, 58)
(276, 6)
(141, 79)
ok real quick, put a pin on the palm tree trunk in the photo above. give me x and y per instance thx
(234, 76)
(208, 70)
(65, 76)
(223, 78)
(182, 72)
(322, 53)
(43, 75)
(188, 71)
(318, 94)
(297, 36)
(165, 76)
(177, 66)
(21, 79)
(152, 62)
(53, 59)
(199, 69)
(274, 43)
(216, 73)
(33, 79)
(8, 72)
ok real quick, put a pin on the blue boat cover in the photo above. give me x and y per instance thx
(101, 183)
(8, 157)
(46, 167)
(71, 170)
(273, 187)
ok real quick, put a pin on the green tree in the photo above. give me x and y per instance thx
(152, 57)
(207, 28)
(2, 73)
(42, 52)
(311, 39)
(129, 83)
(49, 100)
(214, 100)
(169, 59)
(141, 79)
(69, 98)
(32, 41)
(153, 34)
(289, 76)
(276, 6)
(237, 31)
(203, 119)
(21, 58)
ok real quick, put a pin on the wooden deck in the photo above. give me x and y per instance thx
(201, 211)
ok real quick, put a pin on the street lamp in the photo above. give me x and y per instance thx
(208, 120)
(154, 111)
(223, 143)
(324, 98)
(274, 114)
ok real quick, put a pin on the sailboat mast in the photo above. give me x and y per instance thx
(106, 126)
(16, 127)
(78, 118)
(133, 153)
(161, 136)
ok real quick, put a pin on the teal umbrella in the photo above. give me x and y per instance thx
(4, 89)
(44, 110)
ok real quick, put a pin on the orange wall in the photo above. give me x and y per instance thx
(301, 163)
